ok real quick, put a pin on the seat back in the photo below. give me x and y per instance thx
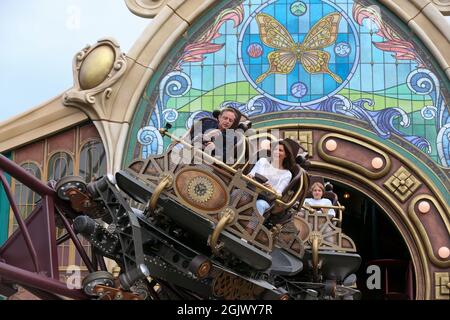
(331, 196)
(314, 179)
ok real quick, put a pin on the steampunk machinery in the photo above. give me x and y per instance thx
(180, 230)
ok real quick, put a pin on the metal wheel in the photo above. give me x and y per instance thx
(69, 182)
(103, 278)
(200, 266)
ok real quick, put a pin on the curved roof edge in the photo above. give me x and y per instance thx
(46, 119)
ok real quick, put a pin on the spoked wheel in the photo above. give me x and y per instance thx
(103, 278)
(68, 183)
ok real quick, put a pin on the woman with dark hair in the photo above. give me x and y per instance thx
(277, 170)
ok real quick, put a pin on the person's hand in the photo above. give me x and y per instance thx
(209, 135)
(268, 185)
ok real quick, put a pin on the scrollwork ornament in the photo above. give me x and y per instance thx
(82, 97)
(145, 8)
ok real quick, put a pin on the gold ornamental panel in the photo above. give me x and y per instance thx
(402, 184)
(200, 190)
(439, 211)
(341, 157)
(95, 70)
(321, 226)
(305, 138)
(442, 285)
(96, 66)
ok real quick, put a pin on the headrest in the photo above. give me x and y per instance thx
(245, 125)
(314, 179)
(330, 196)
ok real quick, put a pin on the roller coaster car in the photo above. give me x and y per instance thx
(188, 230)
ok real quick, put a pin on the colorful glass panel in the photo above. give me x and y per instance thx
(349, 58)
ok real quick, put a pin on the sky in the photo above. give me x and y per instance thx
(39, 38)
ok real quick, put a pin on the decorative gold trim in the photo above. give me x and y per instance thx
(200, 189)
(146, 8)
(402, 184)
(331, 237)
(85, 98)
(164, 184)
(443, 6)
(345, 163)
(442, 285)
(423, 232)
(191, 205)
(315, 239)
(305, 138)
(69, 152)
(227, 218)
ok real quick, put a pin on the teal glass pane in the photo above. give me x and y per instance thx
(4, 208)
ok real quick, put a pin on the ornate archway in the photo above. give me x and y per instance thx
(394, 179)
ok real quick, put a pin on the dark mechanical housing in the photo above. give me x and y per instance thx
(180, 231)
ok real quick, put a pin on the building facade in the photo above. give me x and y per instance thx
(363, 85)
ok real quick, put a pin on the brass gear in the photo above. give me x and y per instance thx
(200, 189)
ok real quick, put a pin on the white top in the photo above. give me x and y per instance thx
(278, 178)
(321, 202)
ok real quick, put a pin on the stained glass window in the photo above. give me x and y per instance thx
(60, 165)
(92, 161)
(349, 58)
(25, 198)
